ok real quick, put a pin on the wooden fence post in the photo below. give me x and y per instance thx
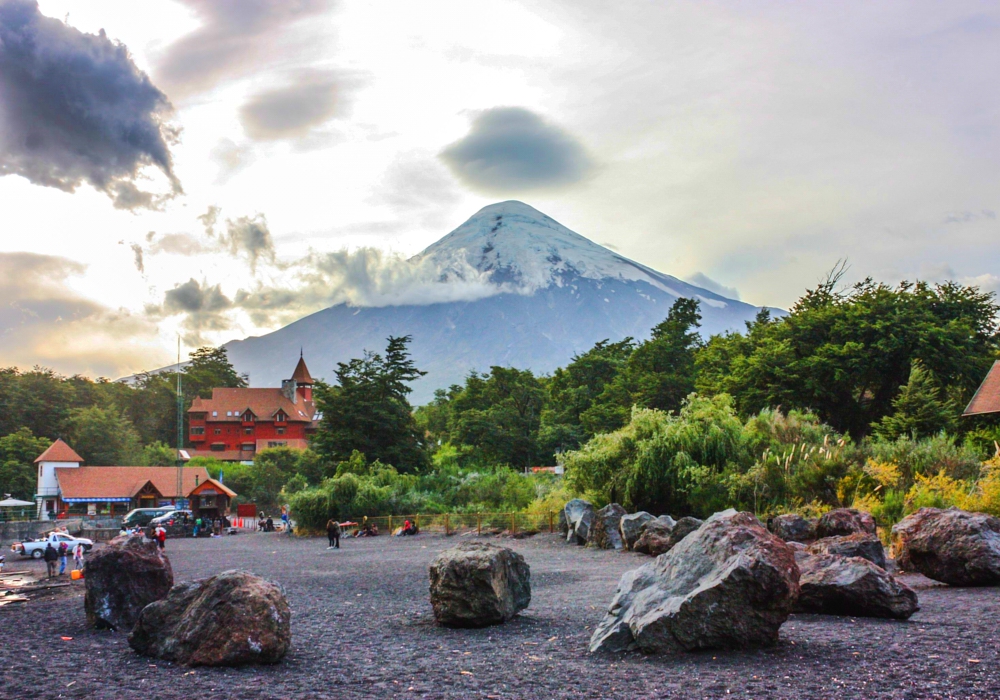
(446, 533)
(390, 526)
(479, 524)
(513, 524)
(550, 522)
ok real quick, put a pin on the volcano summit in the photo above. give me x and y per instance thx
(547, 293)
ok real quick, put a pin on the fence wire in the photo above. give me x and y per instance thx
(460, 523)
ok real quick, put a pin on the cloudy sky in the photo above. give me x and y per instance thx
(218, 168)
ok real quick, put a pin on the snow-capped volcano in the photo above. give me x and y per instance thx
(524, 250)
(542, 294)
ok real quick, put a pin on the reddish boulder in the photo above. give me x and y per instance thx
(845, 521)
(122, 578)
(835, 585)
(952, 546)
(857, 545)
(232, 619)
(659, 537)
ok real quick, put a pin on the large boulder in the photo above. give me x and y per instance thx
(579, 519)
(730, 584)
(845, 521)
(659, 537)
(123, 578)
(631, 527)
(563, 525)
(836, 585)
(476, 584)
(792, 527)
(232, 619)
(859, 544)
(952, 546)
(604, 533)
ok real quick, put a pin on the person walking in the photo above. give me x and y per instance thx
(78, 556)
(50, 556)
(63, 553)
(160, 535)
(333, 533)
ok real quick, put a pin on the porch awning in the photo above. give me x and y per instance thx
(97, 500)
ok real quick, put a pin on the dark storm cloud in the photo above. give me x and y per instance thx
(249, 237)
(513, 149)
(293, 110)
(203, 307)
(74, 108)
(233, 35)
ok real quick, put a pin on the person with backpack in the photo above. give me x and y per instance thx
(50, 556)
(333, 533)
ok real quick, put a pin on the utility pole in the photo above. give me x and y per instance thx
(180, 426)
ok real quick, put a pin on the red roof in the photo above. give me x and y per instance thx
(301, 374)
(59, 451)
(987, 396)
(125, 482)
(212, 484)
(229, 405)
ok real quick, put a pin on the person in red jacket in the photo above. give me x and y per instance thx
(161, 536)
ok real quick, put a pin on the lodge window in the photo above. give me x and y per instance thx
(218, 431)
(219, 447)
(248, 431)
(277, 443)
(198, 430)
(281, 431)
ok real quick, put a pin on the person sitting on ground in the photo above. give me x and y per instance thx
(51, 556)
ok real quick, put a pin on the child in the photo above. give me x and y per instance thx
(78, 556)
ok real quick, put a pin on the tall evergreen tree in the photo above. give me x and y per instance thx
(367, 410)
(918, 410)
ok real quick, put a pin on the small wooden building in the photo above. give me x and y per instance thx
(210, 499)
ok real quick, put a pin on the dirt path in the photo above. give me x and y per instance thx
(362, 628)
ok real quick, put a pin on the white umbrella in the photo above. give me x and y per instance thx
(14, 503)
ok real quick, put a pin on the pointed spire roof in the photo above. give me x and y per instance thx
(301, 374)
(59, 451)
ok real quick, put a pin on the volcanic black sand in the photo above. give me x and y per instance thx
(362, 628)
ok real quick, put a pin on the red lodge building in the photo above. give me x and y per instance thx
(235, 424)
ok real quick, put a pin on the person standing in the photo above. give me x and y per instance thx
(160, 536)
(51, 556)
(78, 556)
(197, 526)
(333, 533)
(63, 553)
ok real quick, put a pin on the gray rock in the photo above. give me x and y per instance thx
(792, 527)
(666, 520)
(859, 544)
(604, 533)
(659, 538)
(563, 524)
(845, 521)
(579, 519)
(232, 619)
(476, 584)
(952, 546)
(123, 578)
(631, 527)
(836, 585)
(730, 584)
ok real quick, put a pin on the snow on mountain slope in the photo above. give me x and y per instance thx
(524, 250)
(556, 294)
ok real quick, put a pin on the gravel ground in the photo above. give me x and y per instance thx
(362, 628)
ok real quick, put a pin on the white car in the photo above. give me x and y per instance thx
(36, 548)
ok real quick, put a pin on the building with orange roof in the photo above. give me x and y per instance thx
(65, 486)
(987, 397)
(236, 423)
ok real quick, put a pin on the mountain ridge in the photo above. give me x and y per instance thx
(557, 293)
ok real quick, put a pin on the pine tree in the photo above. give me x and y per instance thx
(918, 410)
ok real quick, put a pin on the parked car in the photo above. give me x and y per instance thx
(141, 517)
(171, 518)
(36, 548)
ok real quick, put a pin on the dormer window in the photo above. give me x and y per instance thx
(280, 417)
